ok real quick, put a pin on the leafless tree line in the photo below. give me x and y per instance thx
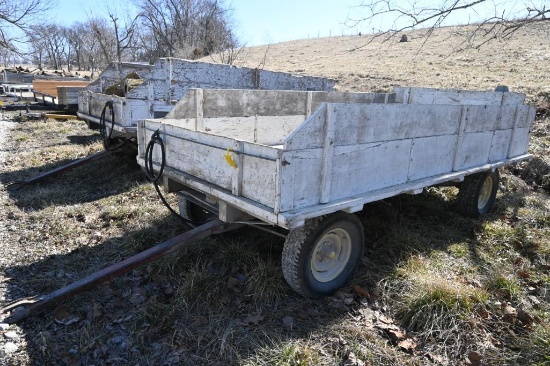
(160, 28)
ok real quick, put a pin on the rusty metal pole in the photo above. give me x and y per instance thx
(21, 309)
(61, 169)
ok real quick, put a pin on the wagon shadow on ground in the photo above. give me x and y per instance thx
(84, 140)
(201, 305)
(102, 178)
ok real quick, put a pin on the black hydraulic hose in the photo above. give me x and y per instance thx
(155, 139)
(103, 125)
(155, 178)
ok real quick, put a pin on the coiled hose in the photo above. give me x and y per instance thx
(155, 178)
(103, 125)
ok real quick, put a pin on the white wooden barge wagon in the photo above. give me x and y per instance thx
(151, 91)
(306, 161)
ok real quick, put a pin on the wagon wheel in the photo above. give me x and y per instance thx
(477, 193)
(196, 214)
(321, 256)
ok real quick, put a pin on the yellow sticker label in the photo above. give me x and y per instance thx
(229, 158)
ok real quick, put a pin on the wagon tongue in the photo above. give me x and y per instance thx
(22, 308)
(63, 169)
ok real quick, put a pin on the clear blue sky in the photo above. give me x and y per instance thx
(256, 21)
(265, 21)
(270, 21)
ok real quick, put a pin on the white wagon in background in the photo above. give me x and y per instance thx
(127, 92)
(306, 161)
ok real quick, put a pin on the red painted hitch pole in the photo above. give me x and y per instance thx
(23, 308)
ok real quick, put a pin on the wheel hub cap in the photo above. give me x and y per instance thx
(485, 193)
(331, 255)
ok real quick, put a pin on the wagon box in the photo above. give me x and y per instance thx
(290, 158)
(157, 88)
(290, 166)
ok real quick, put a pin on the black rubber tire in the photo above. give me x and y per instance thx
(299, 249)
(195, 214)
(471, 190)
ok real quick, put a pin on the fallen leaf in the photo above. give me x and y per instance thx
(200, 321)
(352, 360)
(435, 358)
(509, 311)
(408, 345)
(345, 297)
(396, 335)
(288, 322)
(360, 291)
(524, 318)
(386, 327)
(474, 358)
(253, 319)
(383, 319)
(492, 341)
(483, 314)
(62, 315)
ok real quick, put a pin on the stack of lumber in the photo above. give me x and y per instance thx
(49, 87)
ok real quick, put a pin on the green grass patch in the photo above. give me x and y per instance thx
(504, 286)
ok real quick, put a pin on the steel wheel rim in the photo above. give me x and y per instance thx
(485, 193)
(331, 255)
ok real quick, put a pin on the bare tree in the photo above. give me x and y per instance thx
(492, 19)
(228, 55)
(75, 41)
(48, 40)
(38, 50)
(104, 40)
(187, 28)
(16, 16)
(124, 31)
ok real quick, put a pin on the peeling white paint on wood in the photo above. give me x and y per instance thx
(170, 79)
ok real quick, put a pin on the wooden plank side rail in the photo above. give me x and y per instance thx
(299, 154)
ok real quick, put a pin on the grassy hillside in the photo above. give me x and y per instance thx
(433, 288)
(361, 64)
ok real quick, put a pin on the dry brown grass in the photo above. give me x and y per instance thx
(448, 285)
(521, 63)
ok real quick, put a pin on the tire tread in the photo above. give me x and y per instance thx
(468, 194)
(299, 242)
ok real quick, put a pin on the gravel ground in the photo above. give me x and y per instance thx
(11, 347)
